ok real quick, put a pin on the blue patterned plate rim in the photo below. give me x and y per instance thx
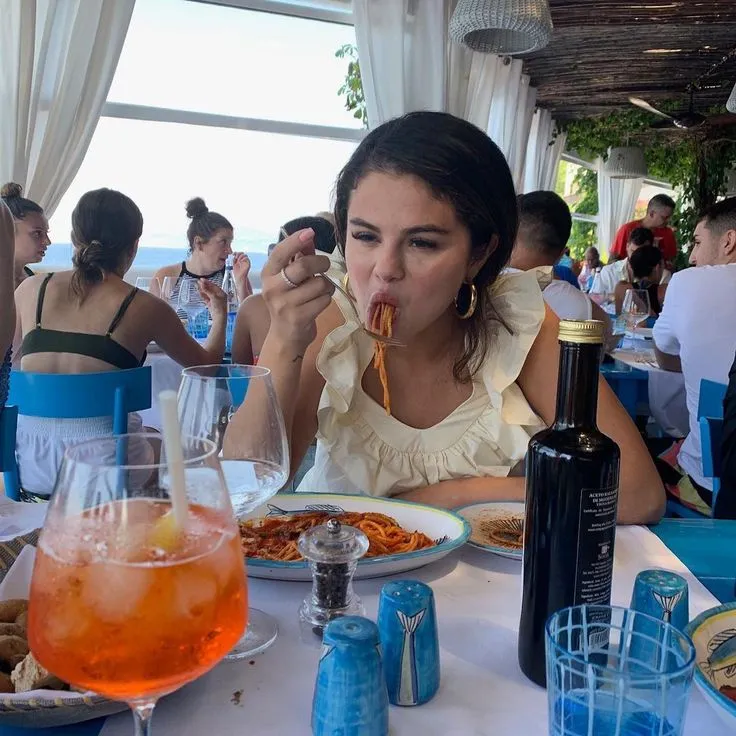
(383, 559)
(515, 554)
(691, 629)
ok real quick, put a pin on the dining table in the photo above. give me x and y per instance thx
(482, 689)
(665, 389)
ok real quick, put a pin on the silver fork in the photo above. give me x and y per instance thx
(375, 335)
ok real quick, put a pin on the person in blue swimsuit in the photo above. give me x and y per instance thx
(89, 319)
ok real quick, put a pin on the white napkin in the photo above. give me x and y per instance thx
(17, 582)
(18, 518)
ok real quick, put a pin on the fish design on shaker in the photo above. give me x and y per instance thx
(408, 685)
(722, 654)
(668, 603)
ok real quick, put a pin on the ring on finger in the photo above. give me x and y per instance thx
(284, 276)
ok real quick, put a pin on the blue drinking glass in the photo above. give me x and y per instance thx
(596, 686)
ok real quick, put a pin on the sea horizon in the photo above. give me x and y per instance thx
(149, 256)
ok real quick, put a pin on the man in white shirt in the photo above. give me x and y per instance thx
(609, 276)
(544, 228)
(696, 334)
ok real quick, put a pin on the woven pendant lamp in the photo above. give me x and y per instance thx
(731, 183)
(731, 103)
(506, 27)
(625, 162)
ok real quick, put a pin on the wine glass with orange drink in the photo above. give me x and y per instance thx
(123, 602)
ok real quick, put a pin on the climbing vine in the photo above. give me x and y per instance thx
(352, 86)
(694, 163)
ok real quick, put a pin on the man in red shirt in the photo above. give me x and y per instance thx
(659, 211)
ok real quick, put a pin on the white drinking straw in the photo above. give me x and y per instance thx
(174, 456)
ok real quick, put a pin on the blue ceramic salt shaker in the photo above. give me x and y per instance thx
(663, 595)
(350, 693)
(407, 623)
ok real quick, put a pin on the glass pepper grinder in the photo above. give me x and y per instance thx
(333, 551)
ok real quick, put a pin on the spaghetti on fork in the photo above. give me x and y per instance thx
(383, 324)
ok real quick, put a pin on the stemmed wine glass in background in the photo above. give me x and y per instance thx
(148, 283)
(192, 304)
(635, 310)
(208, 396)
(121, 603)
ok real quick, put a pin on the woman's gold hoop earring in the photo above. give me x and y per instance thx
(346, 283)
(470, 311)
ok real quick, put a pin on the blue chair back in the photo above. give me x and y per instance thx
(710, 399)
(77, 396)
(8, 424)
(710, 426)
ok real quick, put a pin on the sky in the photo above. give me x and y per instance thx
(229, 61)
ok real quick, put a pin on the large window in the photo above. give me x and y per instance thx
(237, 106)
(577, 184)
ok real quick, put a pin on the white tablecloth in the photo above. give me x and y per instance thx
(667, 400)
(483, 691)
(165, 375)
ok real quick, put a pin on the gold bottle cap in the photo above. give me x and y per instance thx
(589, 332)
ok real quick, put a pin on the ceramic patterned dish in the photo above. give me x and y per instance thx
(437, 524)
(714, 636)
(496, 527)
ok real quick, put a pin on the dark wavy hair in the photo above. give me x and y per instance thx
(105, 227)
(12, 194)
(204, 223)
(462, 166)
(324, 231)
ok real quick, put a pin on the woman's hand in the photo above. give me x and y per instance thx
(241, 266)
(213, 297)
(292, 293)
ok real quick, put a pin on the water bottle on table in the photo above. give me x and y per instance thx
(233, 302)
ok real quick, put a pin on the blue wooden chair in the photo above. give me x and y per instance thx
(710, 424)
(631, 385)
(75, 396)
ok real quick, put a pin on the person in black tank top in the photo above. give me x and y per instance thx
(102, 347)
(210, 237)
(68, 318)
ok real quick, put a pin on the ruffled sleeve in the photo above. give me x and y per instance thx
(361, 449)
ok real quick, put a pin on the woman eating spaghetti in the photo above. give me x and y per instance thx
(426, 218)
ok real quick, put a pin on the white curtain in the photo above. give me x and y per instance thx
(616, 202)
(402, 46)
(408, 63)
(543, 153)
(58, 58)
(510, 117)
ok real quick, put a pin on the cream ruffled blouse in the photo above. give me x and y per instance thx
(361, 449)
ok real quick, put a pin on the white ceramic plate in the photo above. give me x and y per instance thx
(714, 636)
(643, 333)
(435, 523)
(494, 526)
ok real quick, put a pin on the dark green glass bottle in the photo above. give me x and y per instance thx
(572, 473)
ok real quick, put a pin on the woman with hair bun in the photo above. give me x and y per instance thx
(31, 230)
(210, 237)
(89, 320)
